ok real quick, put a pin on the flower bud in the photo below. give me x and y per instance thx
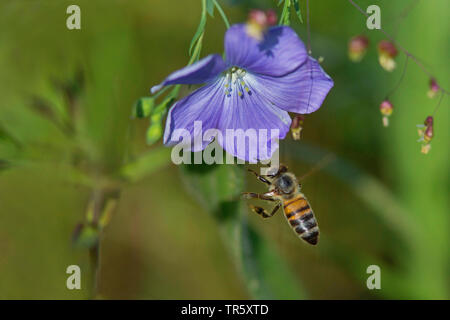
(271, 16)
(426, 134)
(387, 52)
(155, 130)
(297, 126)
(143, 107)
(433, 88)
(258, 22)
(386, 109)
(357, 48)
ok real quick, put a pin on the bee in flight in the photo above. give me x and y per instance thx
(286, 191)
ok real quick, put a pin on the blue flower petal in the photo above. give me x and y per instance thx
(222, 110)
(302, 91)
(252, 111)
(204, 104)
(197, 73)
(278, 53)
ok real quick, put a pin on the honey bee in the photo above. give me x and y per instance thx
(286, 191)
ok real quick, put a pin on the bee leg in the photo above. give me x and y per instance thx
(265, 196)
(260, 178)
(263, 213)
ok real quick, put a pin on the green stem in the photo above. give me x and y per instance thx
(94, 254)
(222, 13)
(101, 211)
(160, 92)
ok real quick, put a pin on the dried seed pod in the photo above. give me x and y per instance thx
(297, 126)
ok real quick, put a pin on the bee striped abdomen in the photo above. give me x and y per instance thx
(302, 220)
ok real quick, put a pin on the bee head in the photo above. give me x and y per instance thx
(286, 183)
(274, 172)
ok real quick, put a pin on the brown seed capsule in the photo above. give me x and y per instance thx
(357, 48)
(297, 126)
(386, 54)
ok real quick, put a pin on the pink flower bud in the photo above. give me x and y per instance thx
(357, 47)
(258, 22)
(271, 17)
(386, 109)
(257, 16)
(433, 88)
(386, 54)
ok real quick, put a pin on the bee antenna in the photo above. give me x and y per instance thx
(320, 165)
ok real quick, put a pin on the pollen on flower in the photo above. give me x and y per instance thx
(235, 78)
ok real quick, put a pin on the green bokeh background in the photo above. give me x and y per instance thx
(379, 202)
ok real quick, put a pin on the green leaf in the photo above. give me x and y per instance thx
(285, 14)
(198, 33)
(297, 10)
(143, 107)
(210, 7)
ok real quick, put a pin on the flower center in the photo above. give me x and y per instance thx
(235, 80)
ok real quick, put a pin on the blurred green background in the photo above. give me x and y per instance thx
(66, 135)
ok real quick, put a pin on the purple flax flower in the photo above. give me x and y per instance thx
(256, 86)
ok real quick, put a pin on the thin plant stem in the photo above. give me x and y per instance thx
(439, 103)
(414, 58)
(94, 254)
(400, 80)
(160, 92)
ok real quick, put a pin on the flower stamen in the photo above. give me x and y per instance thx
(235, 77)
